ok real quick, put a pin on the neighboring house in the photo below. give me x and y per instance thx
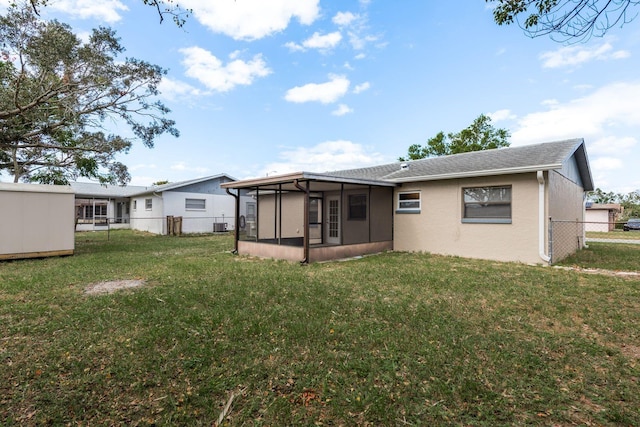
(95, 204)
(494, 204)
(602, 217)
(204, 206)
(37, 221)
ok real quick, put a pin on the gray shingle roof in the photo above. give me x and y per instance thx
(92, 189)
(545, 156)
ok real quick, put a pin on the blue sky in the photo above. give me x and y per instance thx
(263, 87)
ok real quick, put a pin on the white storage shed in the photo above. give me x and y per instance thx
(36, 220)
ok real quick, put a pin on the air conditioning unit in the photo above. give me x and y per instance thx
(219, 227)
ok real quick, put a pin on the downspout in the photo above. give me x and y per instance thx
(237, 227)
(541, 217)
(305, 237)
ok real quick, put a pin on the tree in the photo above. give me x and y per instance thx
(163, 7)
(630, 201)
(565, 19)
(480, 135)
(56, 95)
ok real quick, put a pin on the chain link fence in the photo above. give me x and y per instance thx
(565, 238)
(162, 225)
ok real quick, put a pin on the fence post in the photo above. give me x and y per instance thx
(177, 225)
(550, 241)
(170, 229)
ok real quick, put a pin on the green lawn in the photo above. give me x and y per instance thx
(392, 339)
(616, 234)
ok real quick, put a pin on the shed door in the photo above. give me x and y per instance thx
(333, 220)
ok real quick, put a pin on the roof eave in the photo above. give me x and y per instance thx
(303, 176)
(471, 174)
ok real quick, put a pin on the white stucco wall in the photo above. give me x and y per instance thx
(152, 220)
(218, 208)
(597, 220)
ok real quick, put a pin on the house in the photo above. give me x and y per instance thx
(523, 204)
(602, 216)
(202, 204)
(95, 204)
(37, 221)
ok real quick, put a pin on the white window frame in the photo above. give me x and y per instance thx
(200, 204)
(403, 205)
(135, 205)
(148, 204)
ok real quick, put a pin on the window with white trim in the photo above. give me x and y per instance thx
(487, 204)
(148, 204)
(195, 204)
(409, 202)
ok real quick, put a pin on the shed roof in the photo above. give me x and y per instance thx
(35, 188)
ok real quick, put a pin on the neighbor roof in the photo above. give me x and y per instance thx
(92, 189)
(174, 185)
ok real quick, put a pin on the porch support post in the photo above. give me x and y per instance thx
(237, 227)
(276, 194)
(257, 214)
(369, 213)
(343, 203)
(280, 214)
(305, 237)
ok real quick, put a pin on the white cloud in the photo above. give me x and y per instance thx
(591, 116)
(359, 41)
(608, 119)
(500, 115)
(361, 87)
(317, 41)
(327, 41)
(344, 18)
(612, 145)
(294, 47)
(573, 56)
(172, 89)
(183, 166)
(342, 110)
(105, 10)
(606, 164)
(325, 93)
(142, 166)
(203, 66)
(252, 19)
(326, 156)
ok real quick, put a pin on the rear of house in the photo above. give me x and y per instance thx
(523, 204)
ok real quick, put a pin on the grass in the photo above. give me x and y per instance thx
(608, 256)
(393, 339)
(616, 234)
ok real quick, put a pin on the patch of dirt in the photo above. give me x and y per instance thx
(624, 274)
(112, 286)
